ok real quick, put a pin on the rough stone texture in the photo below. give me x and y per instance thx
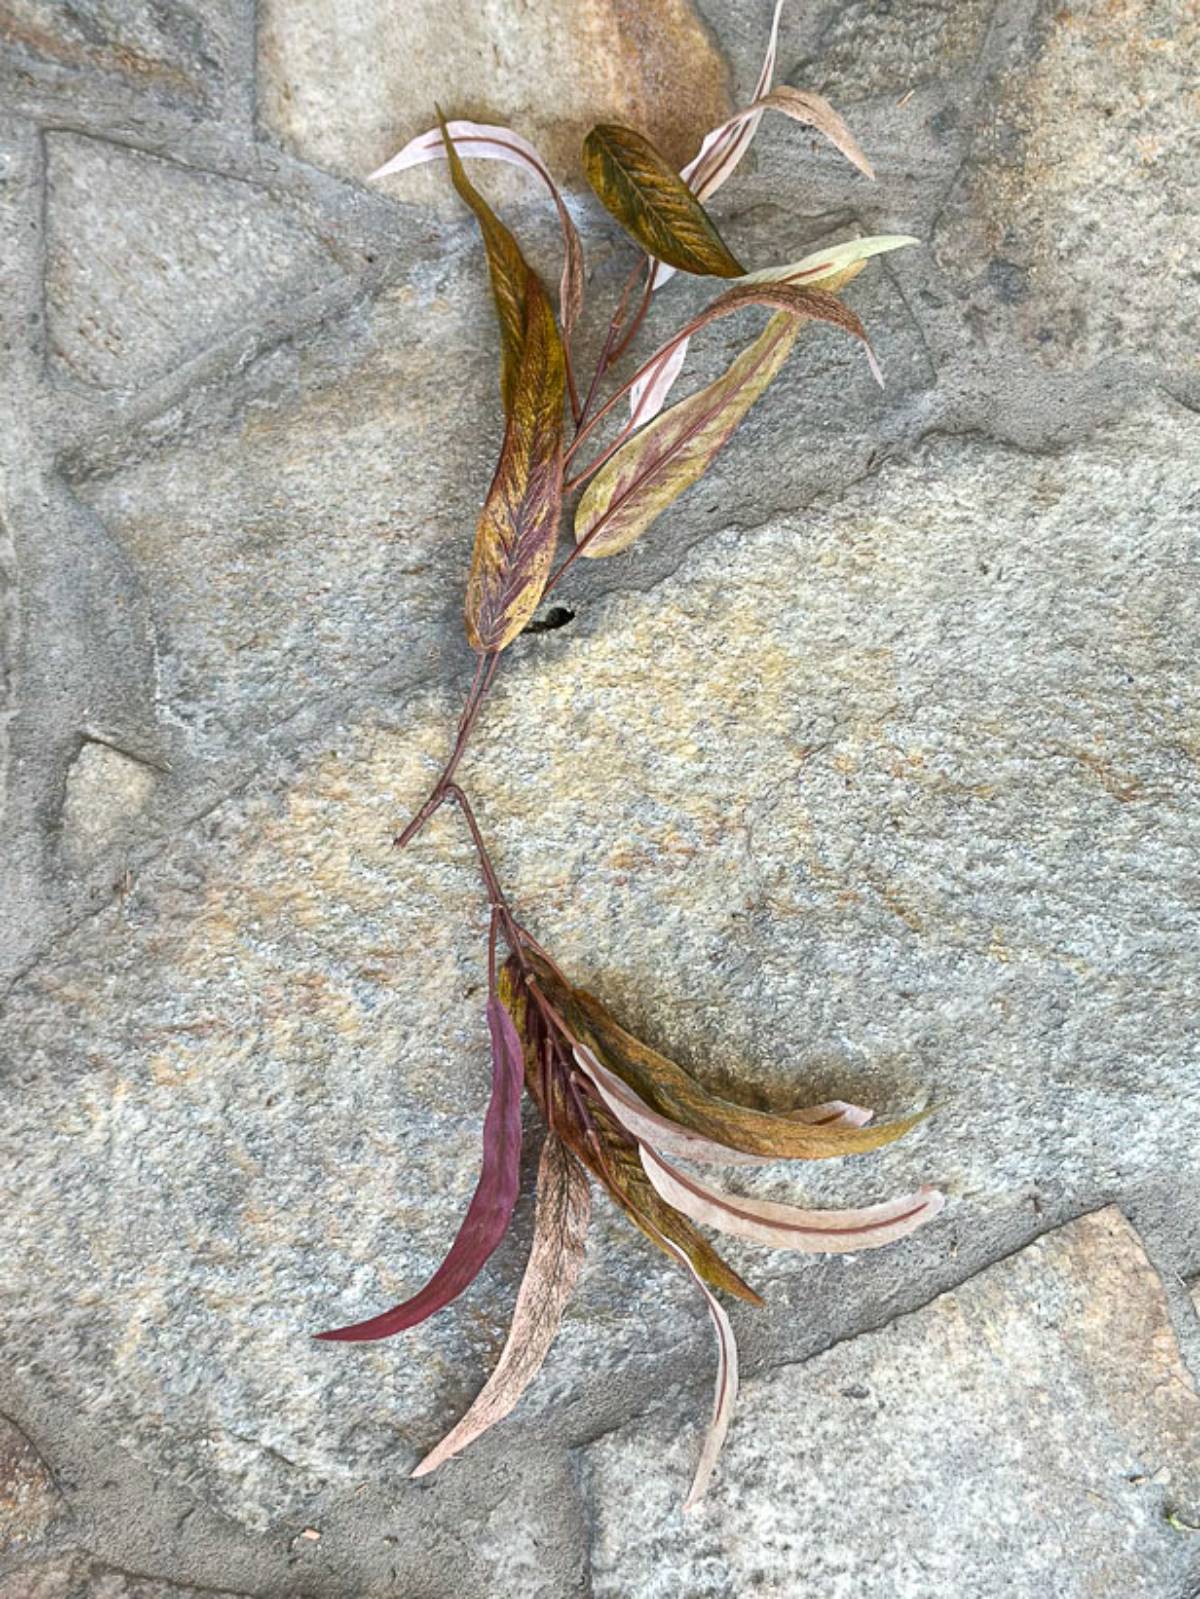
(1072, 1333)
(348, 88)
(871, 772)
(30, 1503)
(80, 1577)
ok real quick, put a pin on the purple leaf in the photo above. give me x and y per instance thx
(491, 1207)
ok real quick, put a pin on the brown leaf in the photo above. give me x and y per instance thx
(518, 527)
(816, 112)
(653, 203)
(651, 470)
(510, 273)
(673, 1093)
(559, 1229)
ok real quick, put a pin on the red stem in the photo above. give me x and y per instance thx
(485, 671)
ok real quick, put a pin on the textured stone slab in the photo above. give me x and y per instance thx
(1077, 216)
(30, 1502)
(1028, 1434)
(79, 1576)
(922, 824)
(346, 88)
(148, 261)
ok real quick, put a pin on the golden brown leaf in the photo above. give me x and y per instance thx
(653, 203)
(518, 527)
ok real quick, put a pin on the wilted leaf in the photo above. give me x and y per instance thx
(673, 1093)
(815, 112)
(559, 1229)
(725, 1393)
(814, 1232)
(614, 1160)
(724, 147)
(491, 1206)
(518, 527)
(510, 273)
(649, 1126)
(490, 142)
(653, 203)
(666, 457)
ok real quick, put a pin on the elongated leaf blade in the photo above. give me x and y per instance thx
(814, 111)
(812, 1232)
(509, 271)
(518, 528)
(656, 465)
(722, 149)
(653, 203)
(559, 1230)
(491, 1207)
(725, 1391)
(486, 141)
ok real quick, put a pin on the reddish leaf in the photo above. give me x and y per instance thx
(491, 1208)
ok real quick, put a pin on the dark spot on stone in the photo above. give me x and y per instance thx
(557, 616)
(945, 120)
(1009, 281)
(856, 1391)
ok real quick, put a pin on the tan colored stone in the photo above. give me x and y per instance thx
(347, 86)
(106, 790)
(29, 1500)
(1031, 1433)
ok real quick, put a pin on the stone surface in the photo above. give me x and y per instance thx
(78, 1576)
(1031, 1433)
(870, 771)
(347, 89)
(30, 1502)
(147, 260)
(1076, 223)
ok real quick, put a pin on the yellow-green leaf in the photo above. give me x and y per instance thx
(518, 527)
(674, 450)
(653, 203)
(508, 268)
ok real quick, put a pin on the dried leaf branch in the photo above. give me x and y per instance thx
(616, 1110)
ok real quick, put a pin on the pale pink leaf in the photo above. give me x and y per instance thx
(650, 1126)
(725, 1391)
(559, 1229)
(823, 1232)
(490, 142)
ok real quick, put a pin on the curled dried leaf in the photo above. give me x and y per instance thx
(725, 1392)
(653, 203)
(813, 1232)
(518, 528)
(559, 1230)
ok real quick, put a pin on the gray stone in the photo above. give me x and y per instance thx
(30, 1503)
(942, 754)
(79, 1576)
(1029, 1434)
(1074, 225)
(148, 261)
(106, 789)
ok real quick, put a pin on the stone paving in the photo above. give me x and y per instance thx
(872, 771)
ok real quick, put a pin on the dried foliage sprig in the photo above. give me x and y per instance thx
(613, 1107)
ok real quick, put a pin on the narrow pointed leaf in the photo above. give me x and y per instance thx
(814, 1232)
(655, 466)
(829, 269)
(814, 111)
(649, 1126)
(491, 1207)
(724, 147)
(490, 142)
(653, 203)
(510, 273)
(725, 1392)
(518, 528)
(559, 1230)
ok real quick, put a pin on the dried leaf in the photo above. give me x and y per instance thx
(518, 527)
(815, 112)
(490, 142)
(665, 1088)
(648, 1126)
(666, 457)
(725, 1393)
(814, 1232)
(613, 1159)
(724, 147)
(510, 273)
(559, 1229)
(829, 269)
(491, 1206)
(653, 203)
